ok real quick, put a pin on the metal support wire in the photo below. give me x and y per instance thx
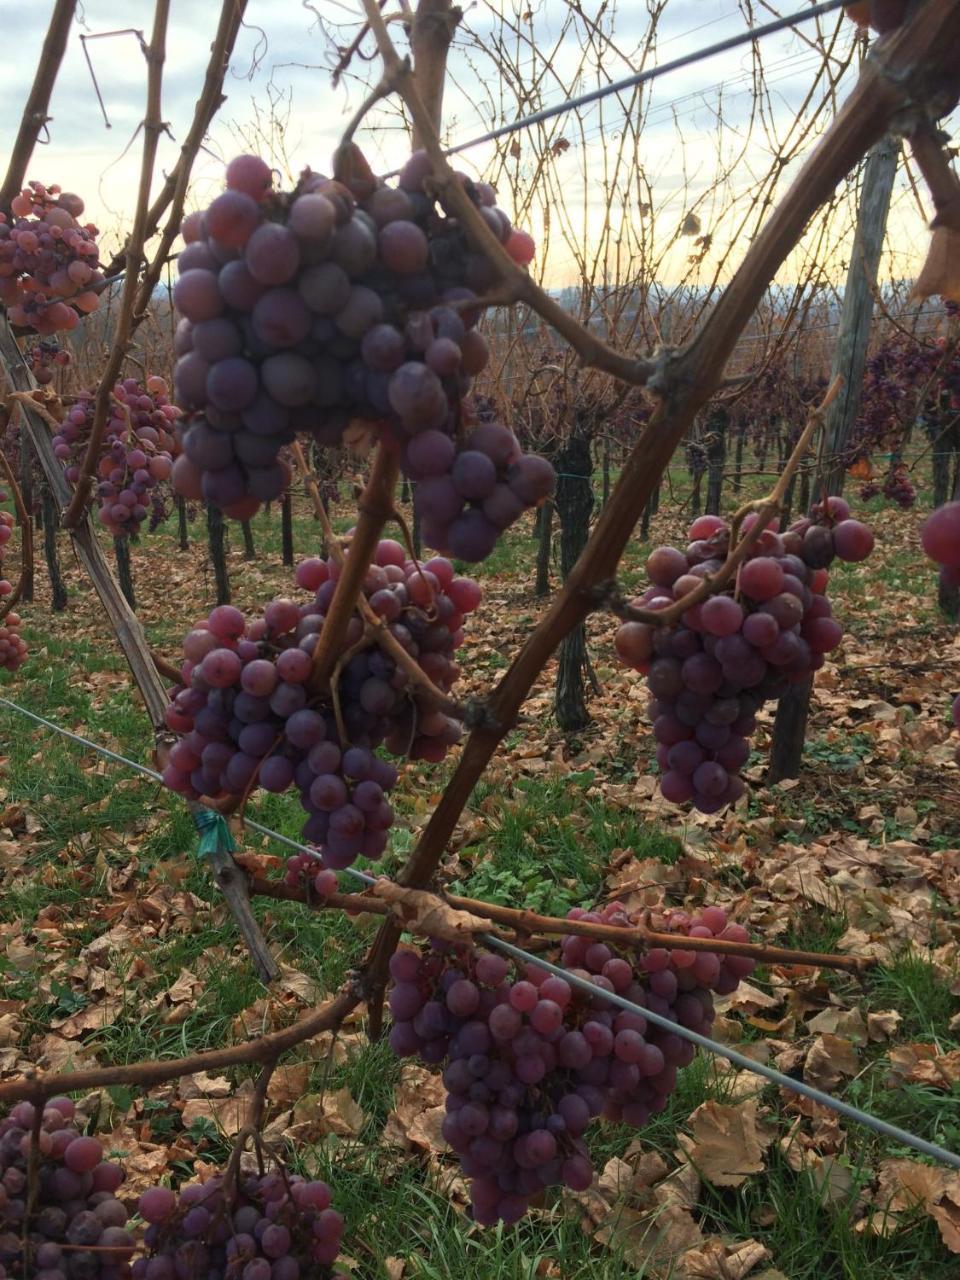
(901, 1136)
(750, 36)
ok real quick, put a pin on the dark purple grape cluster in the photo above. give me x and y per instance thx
(45, 357)
(269, 1227)
(77, 1227)
(941, 541)
(47, 258)
(344, 313)
(136, 452)
(530, 1059)
(249, 716)
(710, 674)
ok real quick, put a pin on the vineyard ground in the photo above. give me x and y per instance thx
(113, 948)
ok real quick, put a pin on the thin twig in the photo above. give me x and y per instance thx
(152, 126)
(35, 115)
(210, 99)
(518, 284)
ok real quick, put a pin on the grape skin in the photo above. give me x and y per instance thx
(710, 674)
(528, 1060)
(338, 311)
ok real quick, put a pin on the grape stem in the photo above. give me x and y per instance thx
(903, 74)
(376, 628)
(766, 509)
(530, 924)
(26, 526)
(152, 126)
(375, 507)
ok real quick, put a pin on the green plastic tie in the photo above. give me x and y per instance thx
(215, 835)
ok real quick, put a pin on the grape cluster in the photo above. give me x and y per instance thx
(344, 314)
(77, 1226)
(13, 648)
(272, 1227)
(941, 541)
(249, 716)
(529, 1059)
(136, 449)
(47, 258)
(44, 357)
(709, 675)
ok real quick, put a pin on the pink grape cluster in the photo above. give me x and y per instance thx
(77, 1227)
(709, 674)
(941, 541)
(13, 647)
(272, 1227)
(47, 259)
(529, 1059)
(136, 451)
(344, 313)
(249, 717)
(45, 357)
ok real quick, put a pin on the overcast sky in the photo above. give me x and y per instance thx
(284, 51)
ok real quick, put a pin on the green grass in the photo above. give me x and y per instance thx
(549, 842)
(913, 987)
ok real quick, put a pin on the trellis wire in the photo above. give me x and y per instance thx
(750, 36)
(714, 1047)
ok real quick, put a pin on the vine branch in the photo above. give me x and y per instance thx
(530, 924)
(911, 63)
(265, 1049)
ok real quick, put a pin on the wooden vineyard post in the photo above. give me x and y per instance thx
(127, 628)
(850, 359)
(216, 541)
(286, 528)
(850, 356)
(574, 503)
(58, 590)
(716, 449)
(543, 528)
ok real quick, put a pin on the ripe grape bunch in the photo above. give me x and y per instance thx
(272, 1227)
(136, 449)
(529, 1059)
(249, 715)
(45, 357)
(941, 541)
(13, 648)
(344, 313)
(47, 260)
(710, 674)
(77, 1226)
